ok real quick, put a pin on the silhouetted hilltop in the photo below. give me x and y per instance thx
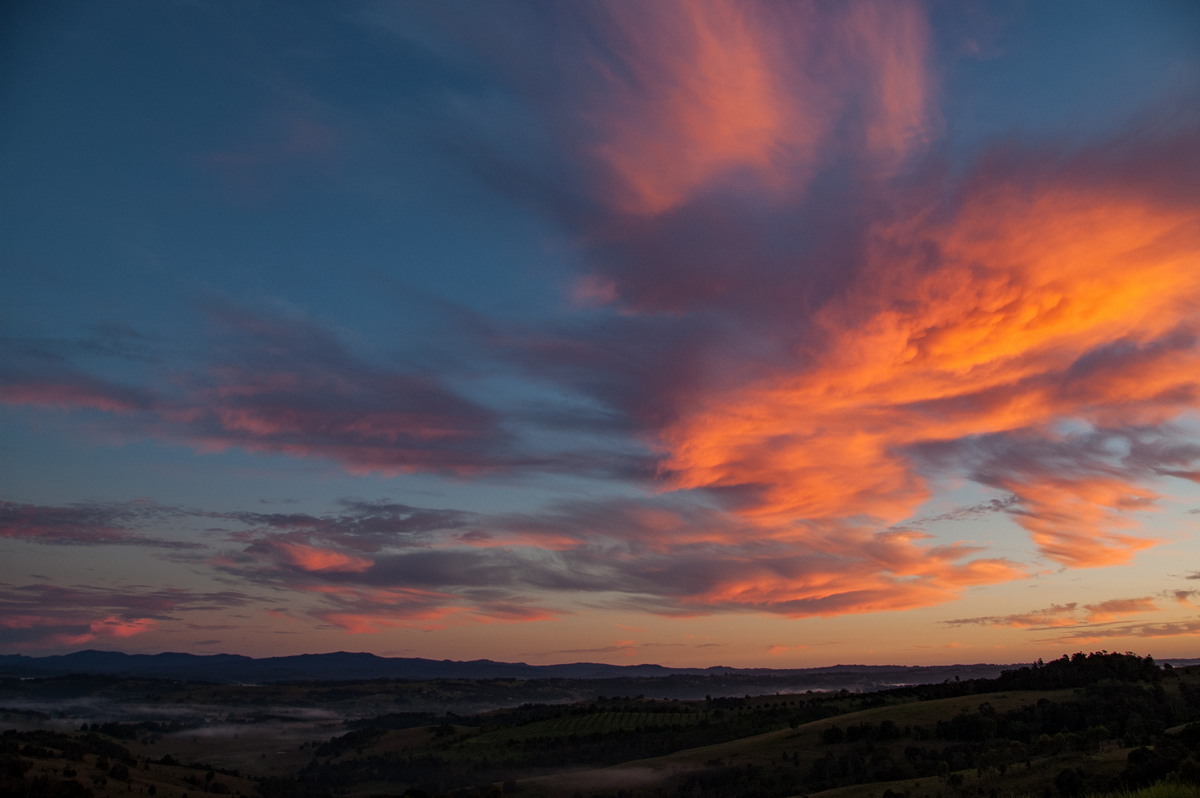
(347, 666)
(233, 668)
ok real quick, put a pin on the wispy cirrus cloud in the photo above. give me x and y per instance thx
(721, 89)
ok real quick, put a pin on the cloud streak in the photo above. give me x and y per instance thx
(663, 556)
(1144, 630)
(1065, 615)
(278, 383)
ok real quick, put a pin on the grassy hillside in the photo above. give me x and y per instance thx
(1073, 727)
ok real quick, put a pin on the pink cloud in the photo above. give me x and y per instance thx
(313, 558)
(714, 91)
(72, 393)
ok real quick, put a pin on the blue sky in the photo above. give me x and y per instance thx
(740, 333)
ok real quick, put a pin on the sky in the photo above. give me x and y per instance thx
(697, 332)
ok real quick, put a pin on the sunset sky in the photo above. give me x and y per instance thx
(695, 332)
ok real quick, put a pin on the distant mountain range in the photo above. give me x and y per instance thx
(233, 668)
(343, 666)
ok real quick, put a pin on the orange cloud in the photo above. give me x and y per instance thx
(1035, 304)
(847, 587)
(1107, 610)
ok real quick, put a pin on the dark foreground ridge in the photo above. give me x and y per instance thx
(342, 666)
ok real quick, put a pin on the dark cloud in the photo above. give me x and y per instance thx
(448, 569)
(42, 615)
(358, 525)
(90, 524)
(963, 513)
(638, 371)
(284, 384)
(104, 340)
(277, 382)
(132, 600)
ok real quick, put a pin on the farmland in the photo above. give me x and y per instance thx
(1088, 724)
